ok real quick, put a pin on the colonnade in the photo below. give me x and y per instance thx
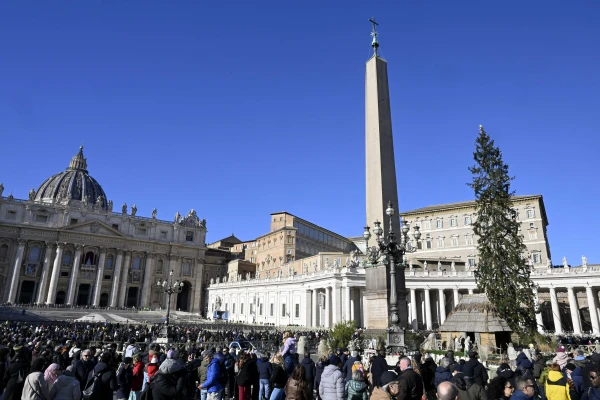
(574, 309)
(420, 311)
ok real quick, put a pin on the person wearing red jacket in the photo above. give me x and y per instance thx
(138, 378)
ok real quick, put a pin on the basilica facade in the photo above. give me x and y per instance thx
(64, 244)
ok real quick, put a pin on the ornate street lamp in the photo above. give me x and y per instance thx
(389, 251)
(169, 288)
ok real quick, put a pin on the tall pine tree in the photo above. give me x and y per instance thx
(502, 273)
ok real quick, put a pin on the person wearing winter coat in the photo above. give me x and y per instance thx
(278, 378)
(593, 392)
(523, 362)
(66, 387)
(131, 349)
(474, 369)
(296, 387)
(538, 366)
(16, 374)
(169, 383)
(319, 368)
(124, 379)
(108, 376)
(265, 369)
(575, 380)
(356, 388)
(499, 388)
(378, 367)
(137, 378)
(347, 367)
(561, 358)
(389, 387)
(332, 381)
(310, 369)
(35, 387)
(243, 378)
(82, 368)
(288, 351)
(212, 385)
(467, 390)
(524, 390)
(442, 373)
(556, 386)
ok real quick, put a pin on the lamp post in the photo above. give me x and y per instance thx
(389, 251)
(169, 288)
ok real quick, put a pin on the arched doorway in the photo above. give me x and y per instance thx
(132, 295)
(60, 297)
(104, 300)
(183, 298)
(27, 288)
(83, 294)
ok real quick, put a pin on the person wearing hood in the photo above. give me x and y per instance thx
(588, 368)
(288, 351)
(561, 358)
(124, 379)
(310, 369)
(265, 369)
(593, 392)
(356, 388)
(474, 369)
(556, 386)
(523, 362)
(574, 374)
(108, 377)
(169, 383)
(131, 349)
(467, 389)
(323, 362)
(66, 387)
(332, 380)
(389, 387)
(442, 373)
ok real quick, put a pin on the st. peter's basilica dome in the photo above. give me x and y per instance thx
(73, 184)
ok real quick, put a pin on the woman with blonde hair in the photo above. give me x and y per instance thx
(278, 378)
(288, 351)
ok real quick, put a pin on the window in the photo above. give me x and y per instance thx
(533, 234)
(233, 309)
(186, 268)
(140, 231)
(64, 274)
(67, 259)
(34, 254)
(159, 267)
(163, 234)
(454, 241)
(189, 236)
(471, 262)
(290, 240)
(427, 224)
(115, 226)
(453, 221)
(41, 218)
(89, 259)
(107, 277)
(530, 213)
(440, 243)
(260, 309)
(74, 221)
(108, 264)
(242, 308)
(271, 310)
(297, 312)
(469, 240)
(11, 214)
(3, 252)
(467, 220)
(283, 310)
(137, 263)
(439, 224)
(531, 225)
(428, 244)
(537, 258)
(251, 259)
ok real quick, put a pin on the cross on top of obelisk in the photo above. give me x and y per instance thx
(375, 43)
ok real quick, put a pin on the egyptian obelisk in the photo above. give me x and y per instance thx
(381, 186)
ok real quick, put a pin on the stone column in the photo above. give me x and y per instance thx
(74, 274)
(124, 279)
(456, 300)
(347, 303)
(538, 316)
(593, 307)
(328, 307)
(353, 306)
(114, 294)
(428, 310)
(555, 312)
(574, 307)
(413, 309)
(315, 305)
(335, 306)
(55, 274)
(99, 277)
(45, 273)
(442, 306)
(147, 284)
(14, 283)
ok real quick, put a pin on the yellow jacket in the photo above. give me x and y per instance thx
(557, 387)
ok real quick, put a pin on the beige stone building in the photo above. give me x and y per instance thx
(448, 240)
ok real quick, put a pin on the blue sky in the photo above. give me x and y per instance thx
(239, 109)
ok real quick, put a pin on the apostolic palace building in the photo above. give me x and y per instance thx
(65, 244)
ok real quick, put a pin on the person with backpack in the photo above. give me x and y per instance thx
(102, 380)
(17, 372)
(35, 387)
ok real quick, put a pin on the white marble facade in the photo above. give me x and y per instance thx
(65, 245)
